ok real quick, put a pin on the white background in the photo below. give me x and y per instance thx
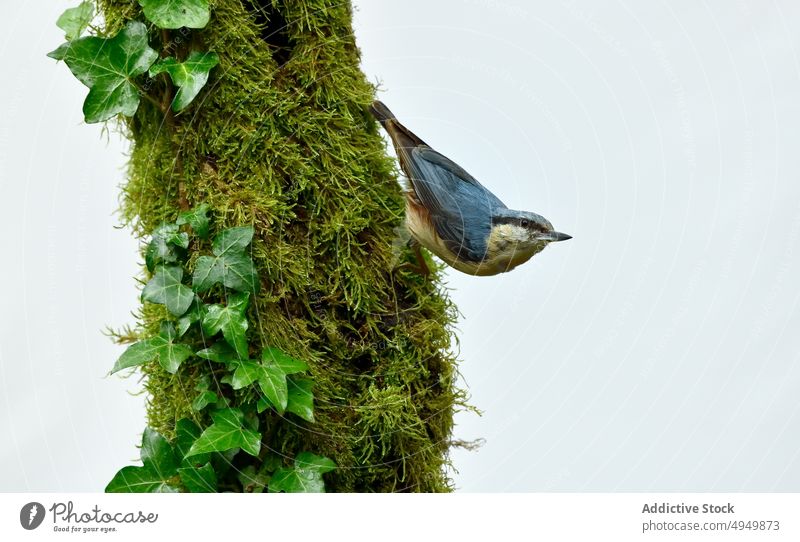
(657, 350)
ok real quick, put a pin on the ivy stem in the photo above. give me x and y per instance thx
(165, 40)
(182, 199)
(152, 100)
(169, 117)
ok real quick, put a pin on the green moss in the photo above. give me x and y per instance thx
(292, 150)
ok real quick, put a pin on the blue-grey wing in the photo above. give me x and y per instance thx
(460, 207)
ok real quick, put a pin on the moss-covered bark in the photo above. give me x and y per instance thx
(281, 138)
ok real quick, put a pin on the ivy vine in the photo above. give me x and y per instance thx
(116, 69)
(205, 284)
(195, 330)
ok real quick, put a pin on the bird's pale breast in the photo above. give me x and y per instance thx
(503, 252)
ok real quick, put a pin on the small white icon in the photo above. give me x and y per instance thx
(34, 512)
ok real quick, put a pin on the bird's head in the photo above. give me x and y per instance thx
(525, 229)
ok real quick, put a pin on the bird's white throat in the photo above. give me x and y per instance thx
(510, 245)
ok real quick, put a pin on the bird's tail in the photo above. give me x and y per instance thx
(402, 137)
(381, 112)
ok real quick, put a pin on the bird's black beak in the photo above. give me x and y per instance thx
(552, 236)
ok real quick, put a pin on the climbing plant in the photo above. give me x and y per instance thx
(282, 345)
(195, 329)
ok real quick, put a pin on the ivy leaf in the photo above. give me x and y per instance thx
(189, 76)
(195, 313)
(199, 479)
(271, 374)
(161, 249)
(197, 219)
(301, 400)
(246, 373)
(297, 481)
(176, 13)
(203, 382)
(252, 481)
(227, 432)
(170, 353)
(220, 352)
(108, 67)
(138, 480)
(232, 239)
(231, 321)
(271, 380)
(205, 398)
(276, 366)
(304, 477)
(157, 452)
(307, 460)
(229, 265)
(135, 355)
(75, 20)
(234, 270)
(163, 346)
(166, 288)
(287, 364)
(273, 385)
(158, 465)
(186, 433)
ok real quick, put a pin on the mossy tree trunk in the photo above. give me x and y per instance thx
(281, 139)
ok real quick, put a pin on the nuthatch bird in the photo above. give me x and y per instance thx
(454, 216)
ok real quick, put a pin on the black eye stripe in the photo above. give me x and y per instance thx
(515, 221)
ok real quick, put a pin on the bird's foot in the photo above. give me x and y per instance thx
(420, 266)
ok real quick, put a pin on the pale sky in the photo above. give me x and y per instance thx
(656, 350)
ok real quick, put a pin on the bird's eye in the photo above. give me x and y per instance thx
(524, 223)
